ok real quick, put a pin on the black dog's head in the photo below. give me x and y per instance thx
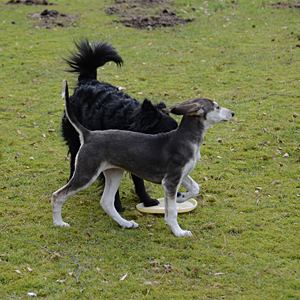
(150, 119)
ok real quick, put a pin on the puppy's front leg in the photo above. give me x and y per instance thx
(113, 178)
(192, 189)
(171, 212)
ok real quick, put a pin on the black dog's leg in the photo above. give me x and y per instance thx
(141, 192)
(118, 205)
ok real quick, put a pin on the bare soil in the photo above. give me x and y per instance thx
(286, 5)
(145, 14)
(29, 2)
(52, 18)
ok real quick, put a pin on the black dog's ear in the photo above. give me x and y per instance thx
(148, 107)
(185, 108)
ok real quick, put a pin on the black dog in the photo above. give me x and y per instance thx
(100, 106)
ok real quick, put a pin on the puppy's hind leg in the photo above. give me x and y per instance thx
(113, 178)
(85, 174)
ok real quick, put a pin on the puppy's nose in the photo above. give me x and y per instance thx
(232, 114)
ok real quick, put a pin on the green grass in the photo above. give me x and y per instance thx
(245, 244)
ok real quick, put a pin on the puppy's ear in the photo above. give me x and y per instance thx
(185, 108)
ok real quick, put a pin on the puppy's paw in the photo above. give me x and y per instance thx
(134, 225)
(181, 197)
(187, 233)
(183, 233)
(61, 223)
(130, 224)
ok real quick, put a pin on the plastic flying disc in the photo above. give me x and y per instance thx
(183, 207)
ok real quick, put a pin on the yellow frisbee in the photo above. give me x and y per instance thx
(183, 207)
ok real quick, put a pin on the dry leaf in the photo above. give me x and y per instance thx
(120, 88)
(209, 225)
(21, 116)
(61, 280)
(123, 278)
(275, 183)
(18, 272)
(29, 269)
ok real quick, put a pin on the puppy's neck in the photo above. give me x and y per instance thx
(192, 129)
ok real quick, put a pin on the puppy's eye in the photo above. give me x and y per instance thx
(218, 107)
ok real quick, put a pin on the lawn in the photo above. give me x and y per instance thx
(245, 245)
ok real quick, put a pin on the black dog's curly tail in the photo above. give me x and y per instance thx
(90, 57)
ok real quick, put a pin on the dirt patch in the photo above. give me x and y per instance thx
(52, 18)
(165, 18)
(286, 5)
(29, 2)
(143, 3)
(145, 14)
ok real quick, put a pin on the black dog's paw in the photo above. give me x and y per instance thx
(151, 202)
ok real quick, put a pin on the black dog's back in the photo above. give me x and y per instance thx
(100, 105)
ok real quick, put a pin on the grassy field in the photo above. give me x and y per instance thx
(245, 243)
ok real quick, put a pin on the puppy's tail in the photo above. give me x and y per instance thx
(90, 57)
(82, 131)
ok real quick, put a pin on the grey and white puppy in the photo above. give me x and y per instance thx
(165, 158)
